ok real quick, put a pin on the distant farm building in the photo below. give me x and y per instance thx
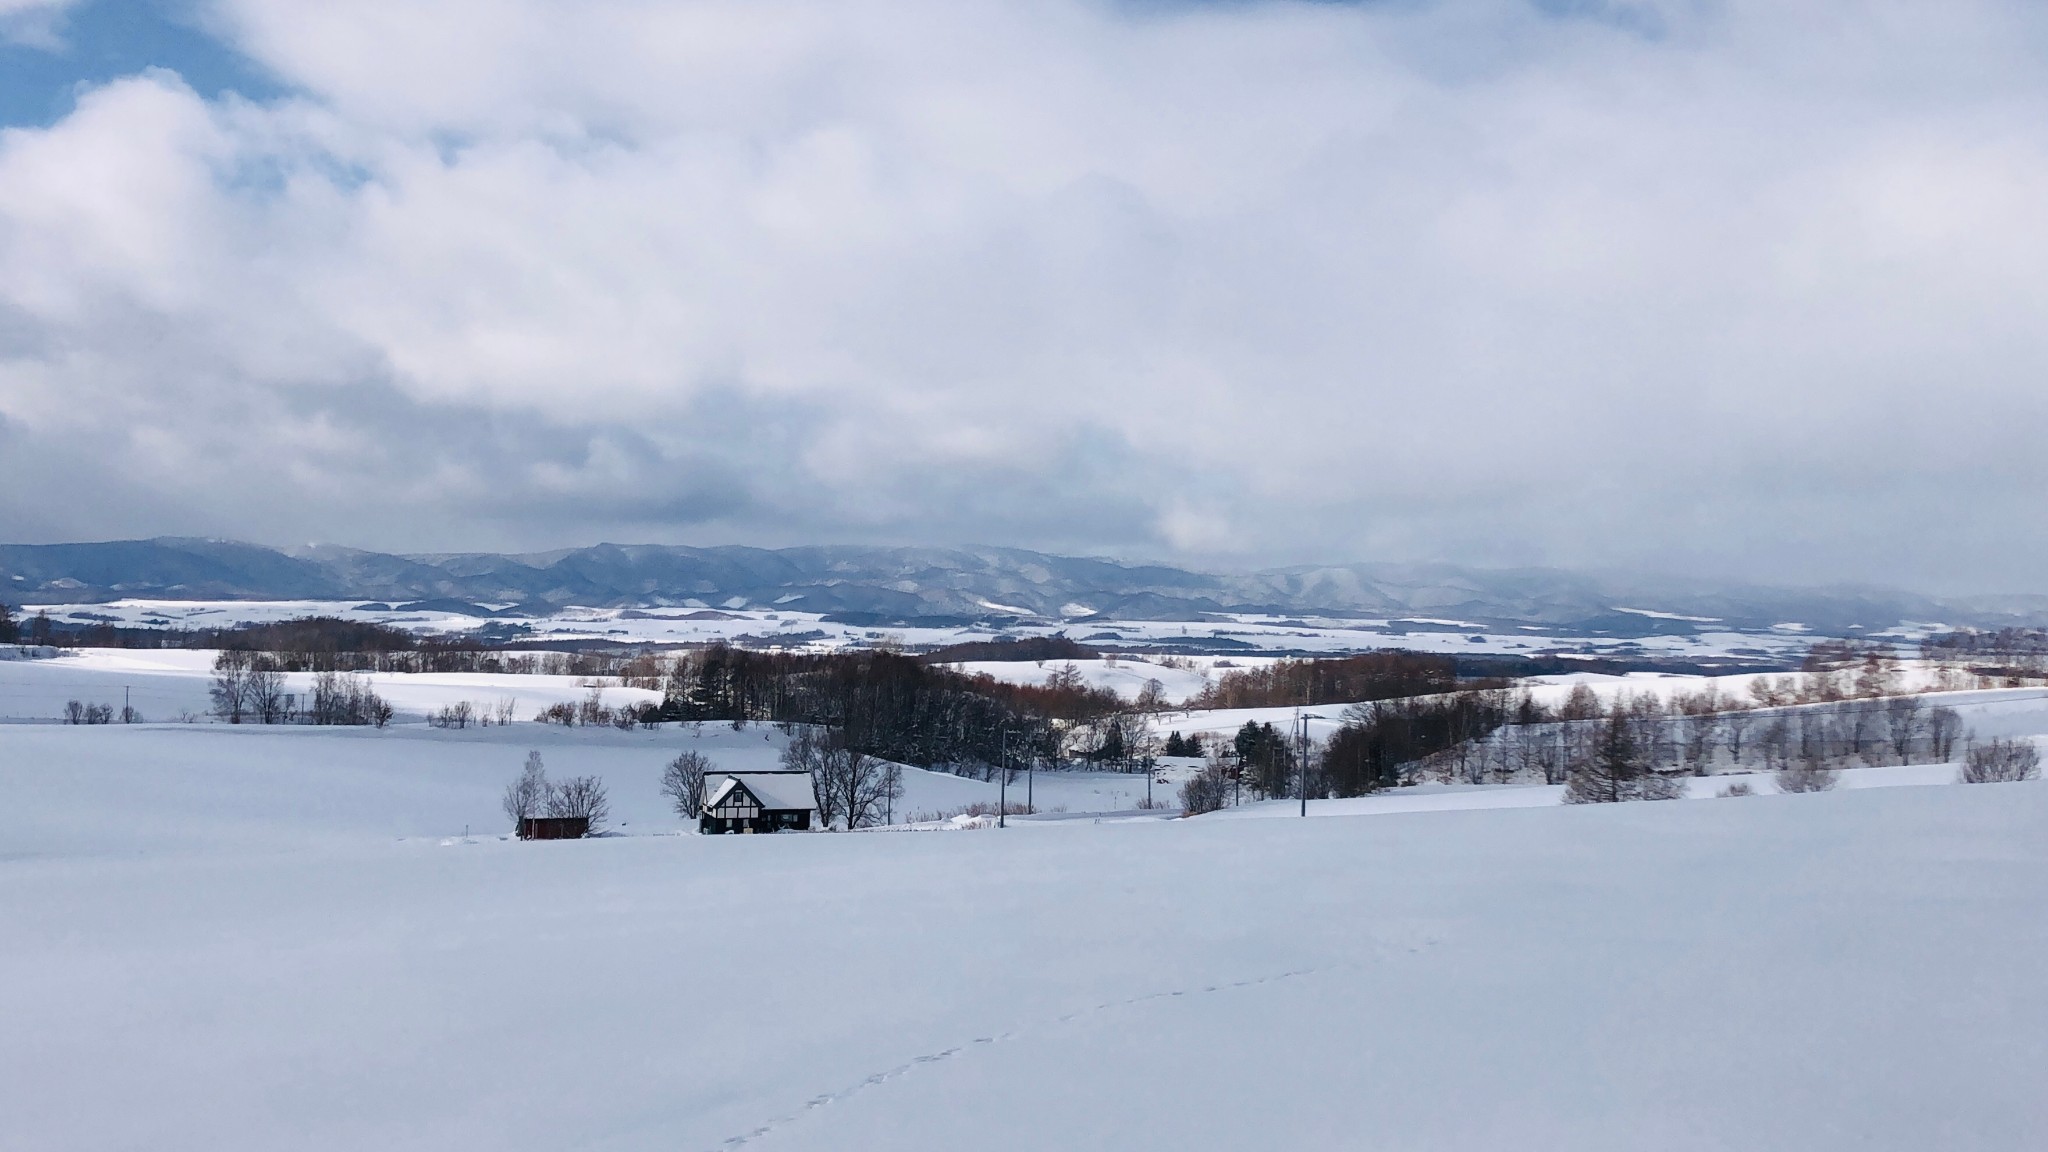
(554, 827)
(759, 802)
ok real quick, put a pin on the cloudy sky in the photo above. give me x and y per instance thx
(1736, 287)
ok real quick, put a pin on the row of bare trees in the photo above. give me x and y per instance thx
(464, 713)
(2007, 657)
(1697, 734)
(250, 688)
(1634, 746)
(1385, 675)
(593, 712)
(1698, 737)
(79, 712)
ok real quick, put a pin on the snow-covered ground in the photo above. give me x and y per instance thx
(165, 684)
(1126, 676)
(770, 626)
(121, 788)
(170, 684)
(1468, 797)
(237, 938)
(174, 681)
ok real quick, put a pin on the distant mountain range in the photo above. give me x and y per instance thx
(955, 584)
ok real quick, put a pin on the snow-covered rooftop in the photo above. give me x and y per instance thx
(779, 791)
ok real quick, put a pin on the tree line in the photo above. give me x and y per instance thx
(2006, 657)
(250, 688)
(1609, 749)
(1380, 675)
(894, 706)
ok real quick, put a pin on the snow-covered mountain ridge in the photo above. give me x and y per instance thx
(913, 584)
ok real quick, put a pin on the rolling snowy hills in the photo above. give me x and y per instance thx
(239, 939)
(896, 585)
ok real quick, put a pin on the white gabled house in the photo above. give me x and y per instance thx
(759, 802)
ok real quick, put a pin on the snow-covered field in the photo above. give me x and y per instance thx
(167, 684)
(771, 626)
(1125, 676)
(244, 938)
(94, 790)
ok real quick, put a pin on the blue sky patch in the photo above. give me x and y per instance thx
(102, 40)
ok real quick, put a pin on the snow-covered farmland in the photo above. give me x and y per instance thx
(165, 684)
(245, 938)
(1232, 634)
(1468, 797)
(1125, 676)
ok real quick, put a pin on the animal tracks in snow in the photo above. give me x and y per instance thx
(979, 1042)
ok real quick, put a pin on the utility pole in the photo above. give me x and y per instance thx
(1305, 717)
(1302, 722)
(127, 713)
(1003, 774)
(1031, 785)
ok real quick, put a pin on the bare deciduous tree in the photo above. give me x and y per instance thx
(1551, 750)
(1581, 704)
(853, 789)
(1207, 790)
(1806, 774)
(1696, 722)
(1735, 724)
(1775, 742)
(1152, 697)
(807, 751)
(1944, 728)
(263, 691)
(582, 796)
(682, 781)
(2002, 762)
(1858, 726)
(347, 700)
(527, 795)
(230, 687)
(1904, 717)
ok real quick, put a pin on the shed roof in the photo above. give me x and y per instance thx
(781, 791)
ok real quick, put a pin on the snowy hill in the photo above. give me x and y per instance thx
(239, 938)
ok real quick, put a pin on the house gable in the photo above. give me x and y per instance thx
(733, 802)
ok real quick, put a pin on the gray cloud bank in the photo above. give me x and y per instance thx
(1716, 286)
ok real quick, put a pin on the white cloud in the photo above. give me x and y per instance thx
(1737, 285)
(32, 22)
